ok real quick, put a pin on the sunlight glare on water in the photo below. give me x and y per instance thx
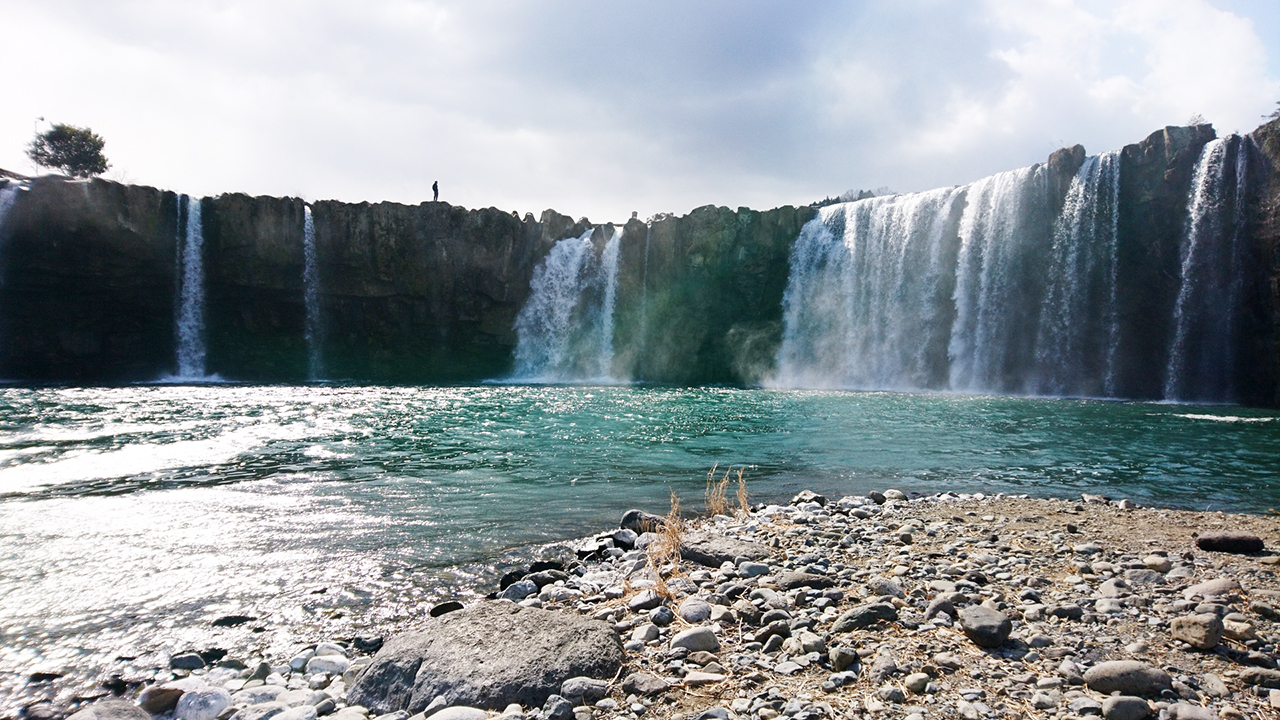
(131, 518)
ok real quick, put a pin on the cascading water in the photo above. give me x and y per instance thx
(190, 324)
(1079, 333)
(311, 293)
(8, 196)
(1202, 355)
(982, 288)
(863, 304)
(991, 348)
(564, 333)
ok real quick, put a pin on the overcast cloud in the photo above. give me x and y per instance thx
(603, 108)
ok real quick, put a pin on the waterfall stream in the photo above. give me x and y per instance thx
(311, 294)
(1013, 296)
(190, 321)
(565, 329)
(1202, 355)
(1079, 333)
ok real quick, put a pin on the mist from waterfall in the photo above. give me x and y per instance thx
(311, 294)
(191, 295)
(1202, 356)
(564, 332)
(986, 288)
(863, 306)
(1079, 334)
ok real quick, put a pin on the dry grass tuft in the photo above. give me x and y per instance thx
(743, 506)
(717, 495)
(664, 551)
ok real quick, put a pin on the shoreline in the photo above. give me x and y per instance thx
(1082, 583)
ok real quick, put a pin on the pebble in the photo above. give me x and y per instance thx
(1202, 632)
(697, 638)
(1128, 677)
(985, 627)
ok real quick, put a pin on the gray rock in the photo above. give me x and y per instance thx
(1264, 677)
(1213, 588)
(940, 605)
(793, 580)
(1129, 677)
(461, 712)
(883, 668)
(644, 683)
(1202, 632)
(557, 708)
(694, 610)
(916, 682)
(203, 704)
(257, 695)
(1186, 711)
(1144, 576)
(714, 550)
(625, 538)
(487, 655)
(750, 569)
(696, 638)
(111, 710)
(584, 690)
(156, 699)
(331, 664)
(519, 590)
(1230, 541)
(262, 711)
(1085, 705)
(864, 616)
(805, 496)
(884, 586)
(641, 522)
(301, 712)
(1159, 563)
(985, 627)
(842, 657)
(186, 661)
(1114, 588)
(645, 600)
(890, 693)
(1125, 707)
(893, 494)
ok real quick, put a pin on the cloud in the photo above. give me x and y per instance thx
(602, 108)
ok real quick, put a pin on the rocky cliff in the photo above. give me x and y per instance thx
(89, 277)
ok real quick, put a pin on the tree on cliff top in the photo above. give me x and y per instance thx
(73, 150)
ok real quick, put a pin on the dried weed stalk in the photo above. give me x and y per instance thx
(664, 550)
(743, 506)
(717, 495)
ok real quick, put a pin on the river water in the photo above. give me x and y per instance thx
(133, 517)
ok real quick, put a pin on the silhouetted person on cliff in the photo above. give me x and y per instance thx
(435, 191)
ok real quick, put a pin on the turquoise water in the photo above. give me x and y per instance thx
(133, 517)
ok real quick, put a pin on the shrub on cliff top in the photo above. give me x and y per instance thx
(74, 150)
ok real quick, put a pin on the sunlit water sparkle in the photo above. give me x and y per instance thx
(131, 518)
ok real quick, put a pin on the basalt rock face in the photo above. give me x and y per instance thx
(1155, 178)
(87, 282)
(1266, 384)
(700, 296)
(408, 293)
(429, 293)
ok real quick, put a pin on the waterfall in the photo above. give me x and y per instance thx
(190, 321)
(1202, 355)
(1079, 332)
(609, 262)
(311, 293)
(863, 305)
(996, 303)
(8, 196)
(564, 332)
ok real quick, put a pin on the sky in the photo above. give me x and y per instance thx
(599, 109)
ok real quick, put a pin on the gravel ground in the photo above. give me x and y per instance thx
(949, 606)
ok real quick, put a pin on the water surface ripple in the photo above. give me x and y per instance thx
(131, 518)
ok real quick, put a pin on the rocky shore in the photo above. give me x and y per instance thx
(947, 606)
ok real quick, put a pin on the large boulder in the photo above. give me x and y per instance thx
(715, 550)
(487, 655)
